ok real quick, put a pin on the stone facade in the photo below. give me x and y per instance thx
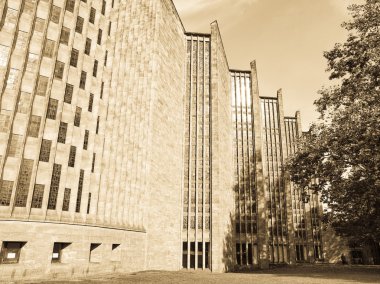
(117, 148)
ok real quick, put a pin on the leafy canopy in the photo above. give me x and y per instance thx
(343, 148)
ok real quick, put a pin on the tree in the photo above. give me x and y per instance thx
(342, 149)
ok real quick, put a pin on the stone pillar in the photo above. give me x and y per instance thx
(261, 188)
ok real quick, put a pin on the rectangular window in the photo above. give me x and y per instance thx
(103, 7)
(101, 90)
(58, 251)
(65, 35)
(15, 145)
(77, 116)
(42, 85)
(90, 102)
(34, 126)
(62, 132)
(79, 25)
(24, 177)
(97, 125)
(54, 186)
(89, 203)
(55, 14)
(93, 162)
(72, 154)
(58, 71)
(105, 58)
(70, 5)
(82, 83)
(79, 194)
(66, 199)
(68, 93)
(49, 48)
(38, 195)
(85, 142)
(95, 70)
(52, 109)
(45, 150)
(87, 47)
(5, 192)
(100, 36)
(74, 57)
(92, 16)
(10, 252)
(24, 102)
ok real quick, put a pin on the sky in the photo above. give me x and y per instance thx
(287, 39)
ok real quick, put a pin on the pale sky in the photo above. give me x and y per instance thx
(285, 37)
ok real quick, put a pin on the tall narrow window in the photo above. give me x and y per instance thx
(42, 85)
(100, 36)
(49, 48)
(38, 195)
(45, 150)
(103, 7)
(74, 57)
(95, 70)
(79, 194)
(23, 182)
(93, 162)
(109, 28)
(97, 125)
(65, 35)
(5, 192)
(24, 102)
(68, 93)
(78, 113)
(101, 90)
(85, 142)
(72, 154)
(82, 83)
(62, 132)
(34, 125)
(70, 5)
(79, 25)
(58, 71)
(54, 186)
(52, 109)
(55, 14)
(15, 145)
(92, 15)
(105, 58)
(87, 47)
(89, 203)
(66, 199)
(90, 102)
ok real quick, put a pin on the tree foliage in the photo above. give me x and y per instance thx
(342, 149)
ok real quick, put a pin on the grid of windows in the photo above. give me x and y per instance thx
(72, 154)
(62, 132)
(45, 150)
(79, 194)
(23, 182)
(38, 195)
(54, 186)
(66, 199)
(5, 192)
(52, 109)
(68, 93)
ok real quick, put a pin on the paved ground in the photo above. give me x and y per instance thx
(293, 275)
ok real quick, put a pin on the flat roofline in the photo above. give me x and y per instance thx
(271, 98)
(290, 117)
